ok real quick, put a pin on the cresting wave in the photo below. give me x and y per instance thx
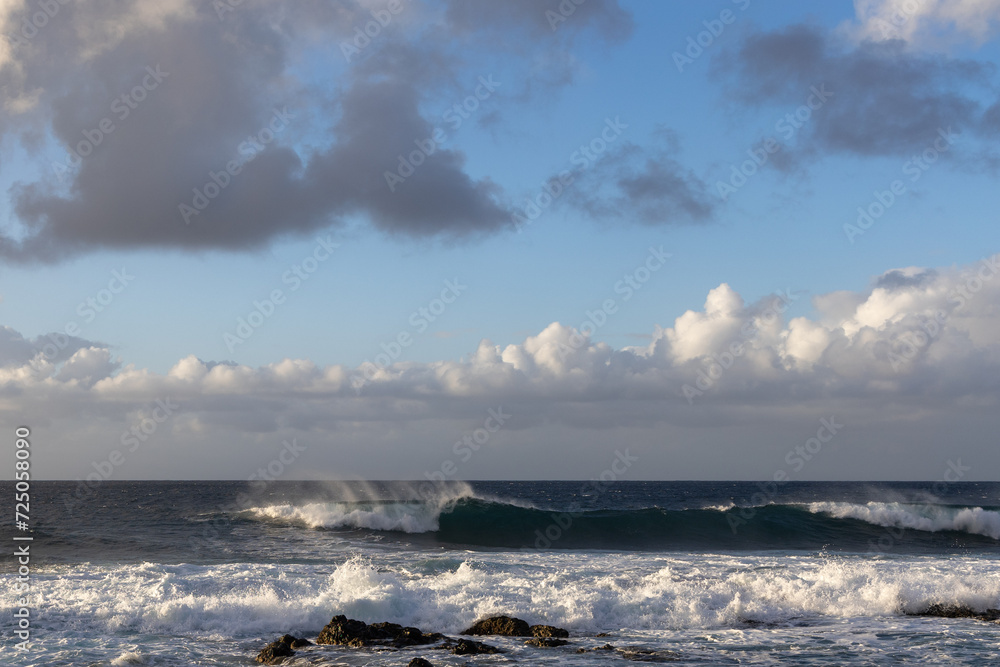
(465, 519)
(930, 518)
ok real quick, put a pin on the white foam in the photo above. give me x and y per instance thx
(406, 517)
(725, 507)
(592, 593)
(408, 510)
(129, 658)
(931, 518)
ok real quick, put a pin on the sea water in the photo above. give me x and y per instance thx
(708, 573)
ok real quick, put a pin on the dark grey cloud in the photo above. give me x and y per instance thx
(898, 279)
(161, 171)
(56, 347)
(645, 185)
(887, 100)
(991, 119)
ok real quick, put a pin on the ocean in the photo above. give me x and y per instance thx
(691, 573)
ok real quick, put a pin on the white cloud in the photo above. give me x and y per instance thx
(916, 341)
(927, 22)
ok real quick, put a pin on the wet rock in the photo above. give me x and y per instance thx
(548, 631)
(958, 611)
(419, 662)
(546, 642)
(606, 647)
(468, 647)
(350, 632)
(295, 642)
(636, 653)
(410, 636)
(641, 654)
(343, 630)
(275, 652)
(500, 625)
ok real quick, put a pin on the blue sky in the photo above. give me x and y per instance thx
(657, 185)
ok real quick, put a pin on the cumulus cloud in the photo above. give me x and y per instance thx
(231, 143)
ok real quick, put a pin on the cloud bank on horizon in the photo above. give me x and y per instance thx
(918, 345)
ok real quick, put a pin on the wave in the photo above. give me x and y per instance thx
(402, 517)
(929, 518)
(463, 518)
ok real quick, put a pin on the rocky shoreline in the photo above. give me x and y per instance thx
(343, 631)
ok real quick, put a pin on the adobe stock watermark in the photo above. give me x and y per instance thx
(296, 275)
(249, 149)
(629, 284)
(363, 35)
(35, 21)
(88, 309)
(883, 200)
(582, 158)
(901, 14)
(142, 429)
(464, 449)
(122, 106)
(697, 44)
(787, 126)
(564, 10)
(722, 362)
(419, 321)
(797, 457)
(456, 114)
(909, 344)
(563, 521)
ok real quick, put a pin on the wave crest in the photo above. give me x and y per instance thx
(929, 518)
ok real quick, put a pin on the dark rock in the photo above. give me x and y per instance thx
(419, 662)
(606, 647)
(636, 653)
(410, 636)
(546, 642)
(349, 632)
(468, 647)
(640, 654)
(342, 630)
(548, 631)
(603, 634)
(275, 652)
(295, 642)
(500, 625)
(957, 611)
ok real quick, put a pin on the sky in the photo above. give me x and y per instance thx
(436, 239)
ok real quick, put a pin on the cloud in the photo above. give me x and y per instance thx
(926, 23)
(644, 184)
(178, 127)
(886, 100)
(918, 342)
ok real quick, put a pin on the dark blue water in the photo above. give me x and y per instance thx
(210, 521)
